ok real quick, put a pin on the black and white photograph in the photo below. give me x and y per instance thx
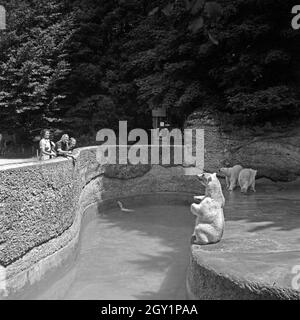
(149, 151)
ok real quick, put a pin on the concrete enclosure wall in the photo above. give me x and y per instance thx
(41, 205)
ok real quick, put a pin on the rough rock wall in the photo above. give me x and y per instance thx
(273, 151)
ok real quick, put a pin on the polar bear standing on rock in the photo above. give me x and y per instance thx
(209, 212)
(231, 176)
(247, 179)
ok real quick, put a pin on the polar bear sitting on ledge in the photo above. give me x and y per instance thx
(209, 212)
(209, 223)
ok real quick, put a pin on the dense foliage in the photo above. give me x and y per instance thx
(82, 65)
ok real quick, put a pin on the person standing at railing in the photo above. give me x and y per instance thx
(72, 144)
(65, 146)
(46, 146)
(62, 146)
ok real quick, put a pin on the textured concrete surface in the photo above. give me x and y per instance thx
(260, 247)
(41, 205)
(38, 203)
(7, 161)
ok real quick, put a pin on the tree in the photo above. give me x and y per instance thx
(33, 62)
(85, 64)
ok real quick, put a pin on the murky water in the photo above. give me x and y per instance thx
(138, 255)
(145, 254)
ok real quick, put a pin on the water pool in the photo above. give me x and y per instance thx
(139, 255)
(145, 254)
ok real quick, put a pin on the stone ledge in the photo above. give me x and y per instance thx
(258, 252)
(39, 201)
(207, 281)
(42, 204)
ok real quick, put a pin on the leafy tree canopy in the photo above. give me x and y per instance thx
(85, 64)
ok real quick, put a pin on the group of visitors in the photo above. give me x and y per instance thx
(63, 147)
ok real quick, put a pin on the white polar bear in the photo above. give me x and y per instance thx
(209, 226)
(231, 176)
(210, 218)
(213, 188)
(247, 179)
